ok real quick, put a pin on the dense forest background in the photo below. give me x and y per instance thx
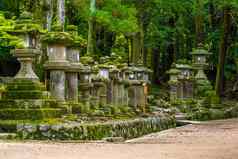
(156, 33)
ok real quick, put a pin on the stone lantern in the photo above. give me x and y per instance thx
(27, 95)
(200, 62)
(57, 63)
(115, 85)
(73, 56)
(72, 74)
(99, 91)
(85, 84)
(185, 77)
(186, 71)
(127, 76)
(137, 98)
(173, 82)
(28, 33)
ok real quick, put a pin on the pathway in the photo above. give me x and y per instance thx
(208, 140)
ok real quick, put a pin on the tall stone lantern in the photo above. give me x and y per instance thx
(73, 56)
(134, 90)
(141, 87)
(99, 90)
(173, 82)
(57, 63)
(72, 73)
(104, 75)
(28, 32)
(200, 62)
(185, 77)
(85, 84)
(115, 86)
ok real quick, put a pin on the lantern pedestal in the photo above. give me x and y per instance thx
(72, 74)
(25, 57)
(85, 85)
(57, 65)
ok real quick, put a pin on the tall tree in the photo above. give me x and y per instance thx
(91, 36)
(224, 44)
(199, 22)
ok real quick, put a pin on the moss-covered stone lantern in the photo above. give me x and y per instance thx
(186, 71)
(136, 93)
(173, 82)
(57, 62)
(25, 97)
(85, 84)
(185, 85)
(99, 91)
(200, 62)
(114, 86)
(73, 56)
(27, 30)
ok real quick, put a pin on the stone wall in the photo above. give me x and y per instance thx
(96, 131)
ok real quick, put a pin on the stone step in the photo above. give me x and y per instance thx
(28, 104)
(31, 114)
(186, 122)
(26, 94)
(5, 136)
(180, 116)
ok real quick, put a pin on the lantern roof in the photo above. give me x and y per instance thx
(200, 51)
(86, 69)
(26, 25)
(184, 66)
(173, 71)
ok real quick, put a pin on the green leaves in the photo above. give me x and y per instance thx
(117, 17)
(7, 40)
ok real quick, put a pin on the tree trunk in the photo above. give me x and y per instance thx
(199, 22)
(136, 49)
(142, 52)
(224, 44)
(91, 37)
(156, 64)
(61, 12)
(212, 15)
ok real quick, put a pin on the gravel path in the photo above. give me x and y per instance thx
(208, 140)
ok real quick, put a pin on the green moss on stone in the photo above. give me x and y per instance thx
(24, 95)
(33, 114)
(57, 38)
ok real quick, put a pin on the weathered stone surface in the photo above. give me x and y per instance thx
(25, 57)
(72, 86)
(57, 84)
(97, 131)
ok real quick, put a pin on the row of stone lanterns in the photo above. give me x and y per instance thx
(182, 80)
(104, 84)
(25, 55)
(72, 81)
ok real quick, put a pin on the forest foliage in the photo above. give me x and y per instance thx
(160, 32)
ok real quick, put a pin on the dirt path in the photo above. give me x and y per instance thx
(209, 140)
